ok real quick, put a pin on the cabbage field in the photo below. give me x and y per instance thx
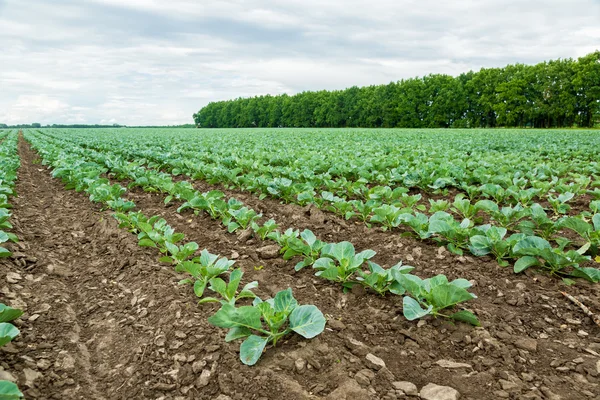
(300, 263)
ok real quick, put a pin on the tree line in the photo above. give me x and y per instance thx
(558, 93)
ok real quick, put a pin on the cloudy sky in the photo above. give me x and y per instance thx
(140, 62)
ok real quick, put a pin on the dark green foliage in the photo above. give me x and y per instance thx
(559, 93)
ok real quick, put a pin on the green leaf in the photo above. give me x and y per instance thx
(252, 348)
(330, 273)
(568, 282)
(525, 262)
(447, 295)
(218, 285)
(462, 283)
(234, 282)
(531, 242)
(465, 316)
(589, 273)
(146, 243)
(307, 321)
(487, 205)
(413, 284)
(323, 263)
(208, 300)
(230, 317)
(9, 391)
(199, 287)
(412, 309)
(171, 248)
(4, 252)
(8, 314)
(576, 224)
(238, 332)
(480, 245)
(7, 332)
(284, 302)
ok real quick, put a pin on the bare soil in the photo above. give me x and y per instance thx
(105, 320)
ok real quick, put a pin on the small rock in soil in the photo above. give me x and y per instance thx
(374, 362)
(268, 252)
(406, 387)
(165, 387)
(357, 348)
(31, 376)
(526, 344)
(300, 365)
(508, 385)
(7, 376)
(364, 377)
(349, 390)
(13, 277)
(336, 325)
(548, 394)
(204, 379)
(452, 364)
(245, 235)
(386, 375)
(198, 365)
(223, 397)
(436, 392)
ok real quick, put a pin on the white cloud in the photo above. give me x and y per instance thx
(157, 62)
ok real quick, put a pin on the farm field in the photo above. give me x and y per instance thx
(430, 257)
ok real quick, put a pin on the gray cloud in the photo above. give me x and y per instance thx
(157, 62)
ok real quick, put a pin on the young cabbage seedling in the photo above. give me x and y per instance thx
(438, 205)
(158, 235)
(364, 210)
(419, 223)
(339, 261)
(505, 216)
(488, 239)
(539, 224)
(283, 238)
(456, 234)
(243, 218)
(307, 245)
(388, 216)
(431, 296)
(264, 230)
(178, 254)
(382, 280)
(463, 206)
(537, 252)
(559, 204)
(267, 321)
(229, 291)
(589, 232)
(495, 191)
(120, 205)
(203, 269)
(212, 202)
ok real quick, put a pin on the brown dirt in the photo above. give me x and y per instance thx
(105, 320)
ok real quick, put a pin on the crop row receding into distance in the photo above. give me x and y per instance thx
(9, 163)
(525, 195)
(336, 262)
